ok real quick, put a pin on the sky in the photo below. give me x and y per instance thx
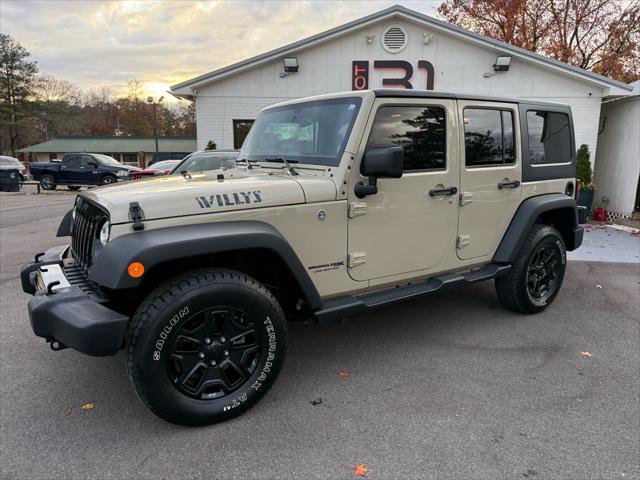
(163, 42)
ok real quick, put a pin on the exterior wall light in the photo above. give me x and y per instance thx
(290, 65)
(502, 63)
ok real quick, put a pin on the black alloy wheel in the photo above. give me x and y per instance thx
(543, 272)
(214, 353)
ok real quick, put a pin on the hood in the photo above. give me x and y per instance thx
(241, 189)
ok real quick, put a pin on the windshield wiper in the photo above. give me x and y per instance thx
(287, 163)
(247, 161)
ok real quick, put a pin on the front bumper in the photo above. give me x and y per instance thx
(71, 313)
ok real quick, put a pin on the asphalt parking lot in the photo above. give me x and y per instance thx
(450, 387)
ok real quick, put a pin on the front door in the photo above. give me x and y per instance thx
(490, 176)
(410, 225)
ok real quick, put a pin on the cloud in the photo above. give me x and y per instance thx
(105, 43)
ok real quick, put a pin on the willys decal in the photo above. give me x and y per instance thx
(230, 199)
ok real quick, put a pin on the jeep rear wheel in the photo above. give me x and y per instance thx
(206, 346)
(537, 273)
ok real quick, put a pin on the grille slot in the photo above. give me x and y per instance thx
(88, 221)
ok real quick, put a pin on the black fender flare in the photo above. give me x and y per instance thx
(525, 217)
(64, 229)
(155, 246)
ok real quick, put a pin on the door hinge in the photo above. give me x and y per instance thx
(463, 241)
(466, 197)
(357, 208)
(356, 258)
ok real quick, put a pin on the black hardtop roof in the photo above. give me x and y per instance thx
(392, 92)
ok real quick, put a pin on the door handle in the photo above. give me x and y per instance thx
(514, 184)
(443, 191)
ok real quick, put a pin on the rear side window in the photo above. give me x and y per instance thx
(549, 137)
(419, 130)
(488, 137)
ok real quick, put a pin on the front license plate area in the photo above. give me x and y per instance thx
(47, 274)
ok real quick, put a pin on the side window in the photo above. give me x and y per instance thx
(420, 131)
(488, 137)
(549, 137)
(72, 161)
(85, 160)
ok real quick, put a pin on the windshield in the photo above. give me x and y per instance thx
(311, 132)
(164, 165)
(106, 159)
(202, 162)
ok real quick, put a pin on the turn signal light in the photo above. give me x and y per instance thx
(135, 269)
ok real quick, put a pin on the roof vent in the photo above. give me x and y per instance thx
(394, 39)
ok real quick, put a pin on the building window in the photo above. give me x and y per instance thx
(488, 137)
(53, 156)
(240, 130)
(420, 131)
(549, 137)
(130, 159)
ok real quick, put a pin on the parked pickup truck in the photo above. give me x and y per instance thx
(77, 169)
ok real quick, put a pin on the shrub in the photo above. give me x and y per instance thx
(212, 146)
(583, 167)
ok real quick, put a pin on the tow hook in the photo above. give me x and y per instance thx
(56, 346)
(37, 257)
(50, 287)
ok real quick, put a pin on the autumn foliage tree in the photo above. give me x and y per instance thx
(598, 35)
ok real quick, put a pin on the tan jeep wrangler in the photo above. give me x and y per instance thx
(338, 204)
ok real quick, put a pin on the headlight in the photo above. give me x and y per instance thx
(104, 233)
(122, 173)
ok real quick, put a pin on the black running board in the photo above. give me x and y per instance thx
(338, 308)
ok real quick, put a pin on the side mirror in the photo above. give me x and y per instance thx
(377, 163)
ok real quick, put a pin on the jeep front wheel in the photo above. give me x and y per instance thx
(206, 346)
(536, 274)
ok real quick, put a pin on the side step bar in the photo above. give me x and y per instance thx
(338, 308)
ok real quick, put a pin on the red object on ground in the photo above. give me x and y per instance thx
(600, 214)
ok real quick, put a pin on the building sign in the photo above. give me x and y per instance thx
(360, 74)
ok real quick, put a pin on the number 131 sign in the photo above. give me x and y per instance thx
(360, 73)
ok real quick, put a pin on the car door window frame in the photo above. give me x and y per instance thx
(515, 142)
(447, 121)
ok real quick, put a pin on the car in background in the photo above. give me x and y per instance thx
(206, 160)
(162, 156)
(164, 167)
(11, 163)
(78, 169)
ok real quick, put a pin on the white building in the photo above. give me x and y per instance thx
(394, 47)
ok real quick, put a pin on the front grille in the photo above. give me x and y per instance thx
(86, 228)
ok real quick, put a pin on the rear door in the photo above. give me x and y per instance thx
(490, 177)
(403, 229)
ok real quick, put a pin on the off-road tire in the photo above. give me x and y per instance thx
(157, 325)
(74, 188)
(513, 289)
(47, 182)
(108, 180)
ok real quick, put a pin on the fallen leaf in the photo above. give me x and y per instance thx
(361, 470)
(317, 401)
(343, 374)
(586, 354)
(67, 411)
(87, 406)
(598, 286)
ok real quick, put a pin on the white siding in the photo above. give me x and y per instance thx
(459, 67)
(618, 166)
